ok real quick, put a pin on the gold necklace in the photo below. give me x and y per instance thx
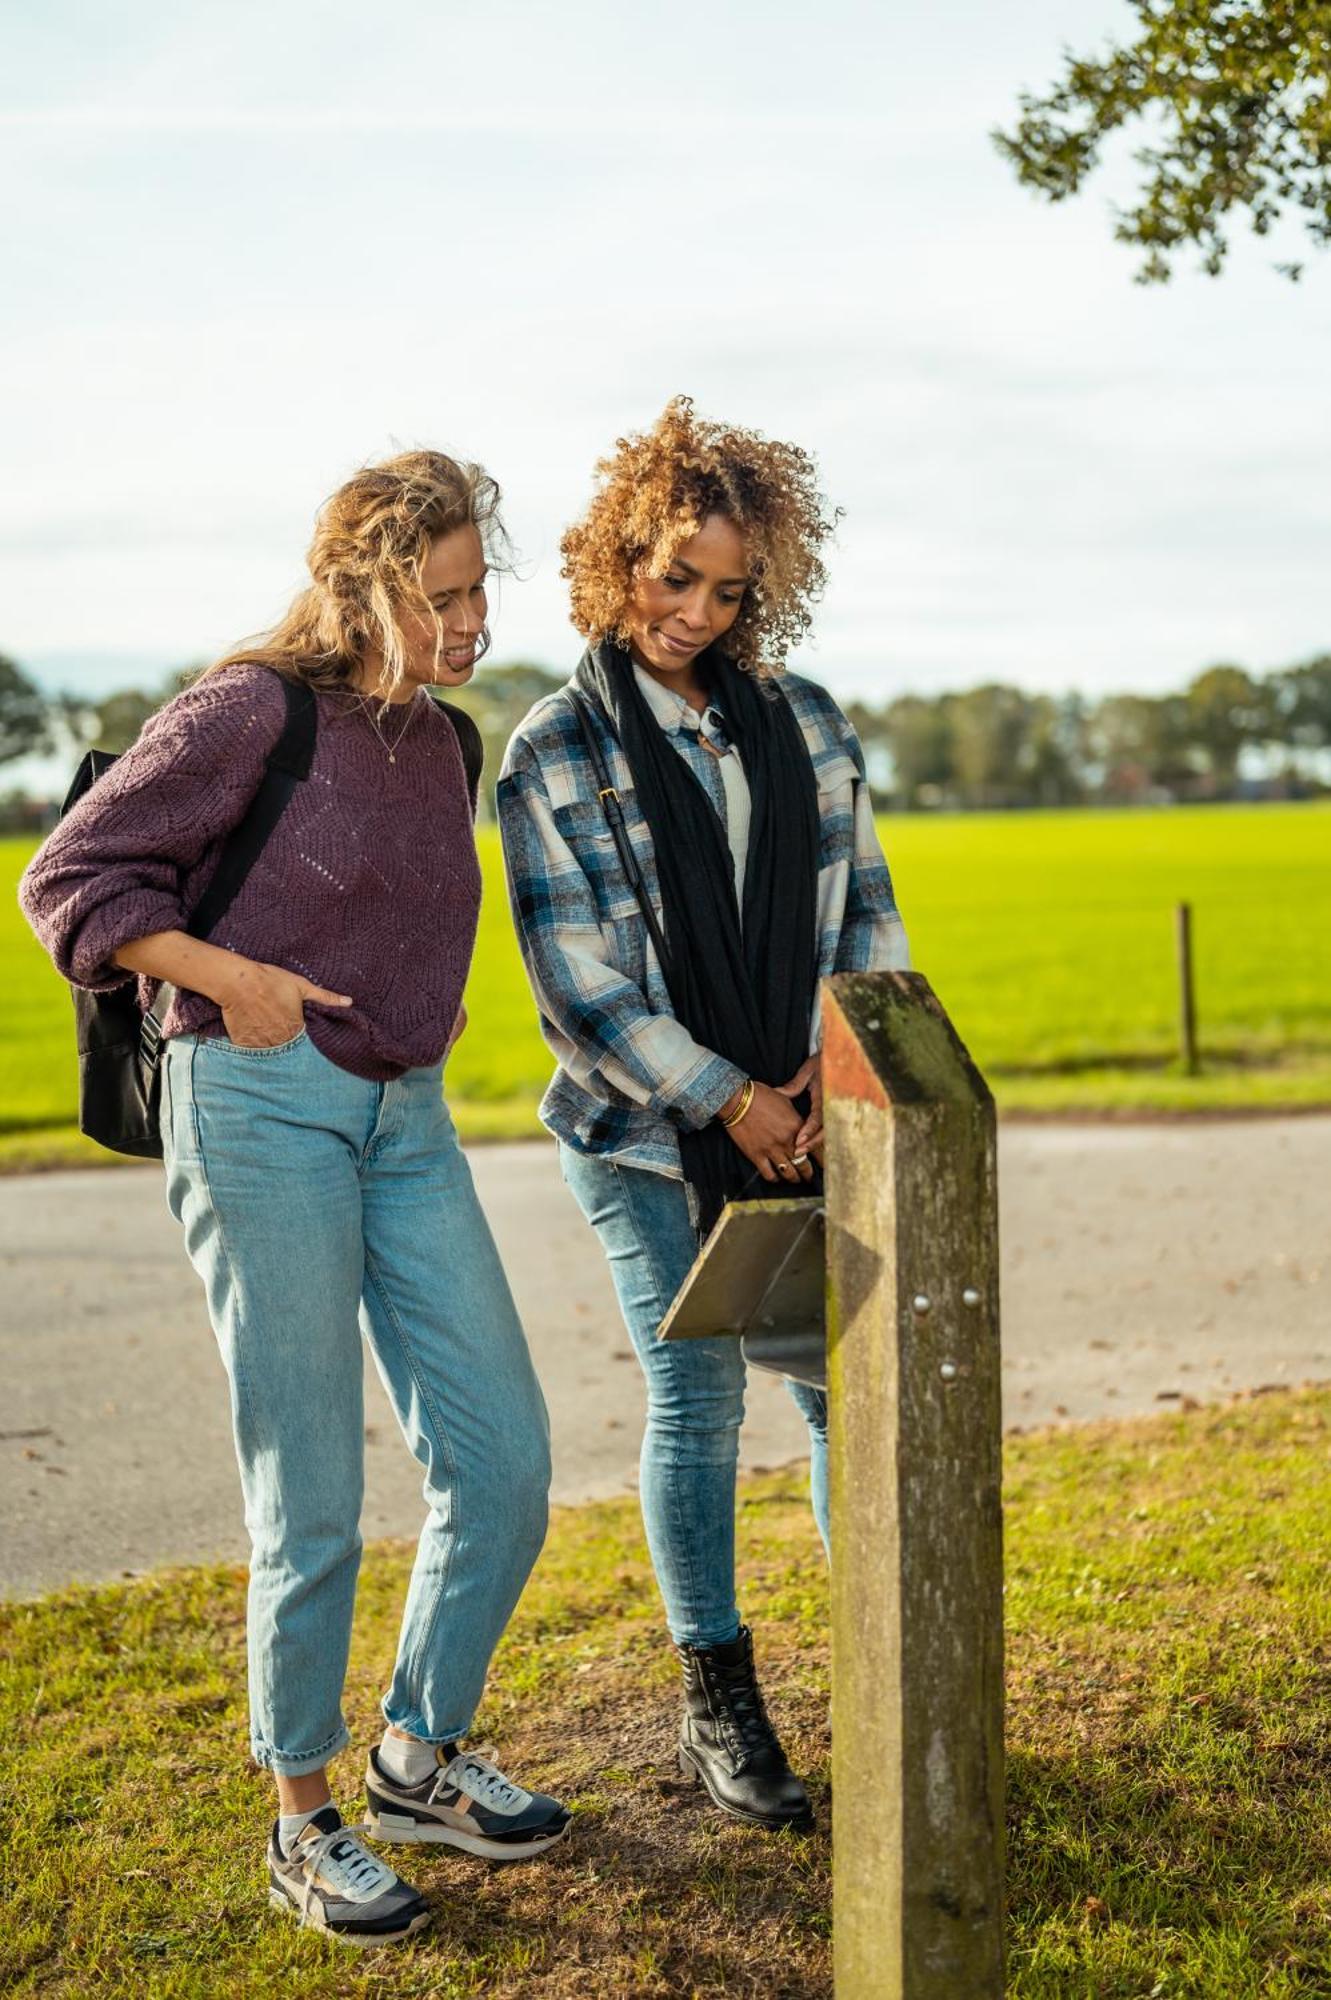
(373, 720)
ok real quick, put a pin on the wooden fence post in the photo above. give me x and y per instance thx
(1187, 1004)
(916, 1433)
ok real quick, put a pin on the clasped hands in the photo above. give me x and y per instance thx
(777, 1139)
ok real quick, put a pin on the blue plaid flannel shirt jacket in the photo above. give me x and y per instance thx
(630, 1076)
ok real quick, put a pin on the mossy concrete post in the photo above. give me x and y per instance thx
(915, 1430)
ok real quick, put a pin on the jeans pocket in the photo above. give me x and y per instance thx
(257, 1054)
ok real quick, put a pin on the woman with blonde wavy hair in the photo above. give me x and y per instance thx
(677, 973)
(312, 1162)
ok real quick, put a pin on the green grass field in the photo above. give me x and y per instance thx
(1169, 1755)
(1049, 937)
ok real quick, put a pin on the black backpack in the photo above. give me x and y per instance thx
(120, 1085)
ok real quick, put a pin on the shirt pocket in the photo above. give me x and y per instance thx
(585, 830)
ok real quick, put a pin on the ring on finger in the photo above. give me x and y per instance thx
(799, 1159)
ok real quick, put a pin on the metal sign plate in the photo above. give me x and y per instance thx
(760, 1276)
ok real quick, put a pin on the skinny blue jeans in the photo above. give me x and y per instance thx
(695, 1398)
(316, 1207)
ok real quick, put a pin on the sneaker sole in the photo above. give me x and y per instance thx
(314, 1921)
(769, 1822)
(401, 1830)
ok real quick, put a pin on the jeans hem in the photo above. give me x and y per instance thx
(702, 1641)
(297, 1765)
(414, 1725)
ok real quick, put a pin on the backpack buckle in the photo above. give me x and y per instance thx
(150, 1040)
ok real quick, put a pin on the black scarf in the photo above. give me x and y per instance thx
(744, 991)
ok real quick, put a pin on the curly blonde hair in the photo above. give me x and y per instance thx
(371, 542)
(659, 486)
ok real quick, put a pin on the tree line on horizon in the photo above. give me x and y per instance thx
(1228, 734)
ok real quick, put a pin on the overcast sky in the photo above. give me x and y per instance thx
(246, 248)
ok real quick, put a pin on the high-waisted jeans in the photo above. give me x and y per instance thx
(317, 1207)
(695, 1398)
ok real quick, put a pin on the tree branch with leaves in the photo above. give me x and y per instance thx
(1238, 96)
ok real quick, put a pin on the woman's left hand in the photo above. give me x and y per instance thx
(809, 1076)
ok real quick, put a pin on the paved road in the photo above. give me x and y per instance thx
(1140, 1264)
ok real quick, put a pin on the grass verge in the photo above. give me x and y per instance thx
(1169, 1754)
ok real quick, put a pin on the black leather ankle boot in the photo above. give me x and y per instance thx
(727, 1743)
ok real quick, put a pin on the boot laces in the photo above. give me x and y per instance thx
(744, 1714)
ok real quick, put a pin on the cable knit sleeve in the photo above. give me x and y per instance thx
(113, 868)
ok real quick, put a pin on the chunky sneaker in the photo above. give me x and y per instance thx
(466, 1802)
(331, 1883)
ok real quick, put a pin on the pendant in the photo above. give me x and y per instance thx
(392, 758)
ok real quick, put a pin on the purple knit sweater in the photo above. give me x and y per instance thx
(369, 885)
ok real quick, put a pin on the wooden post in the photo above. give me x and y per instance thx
(1187, 1008)
(916, 1433)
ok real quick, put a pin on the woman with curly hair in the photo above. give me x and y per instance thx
(679, 993)
(312, 1162)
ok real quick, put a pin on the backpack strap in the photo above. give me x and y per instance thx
(470, 744)
(95, 764)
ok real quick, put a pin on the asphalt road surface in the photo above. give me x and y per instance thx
(1141, 1265)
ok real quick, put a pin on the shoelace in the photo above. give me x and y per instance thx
(744, 1708)
(486, 1783)
(316, 1854)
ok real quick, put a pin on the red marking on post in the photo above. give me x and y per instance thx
(847, 1070)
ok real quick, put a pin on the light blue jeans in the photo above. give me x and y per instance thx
(695, 1398)
(317, 1207)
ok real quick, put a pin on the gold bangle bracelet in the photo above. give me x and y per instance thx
(746, 1099)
